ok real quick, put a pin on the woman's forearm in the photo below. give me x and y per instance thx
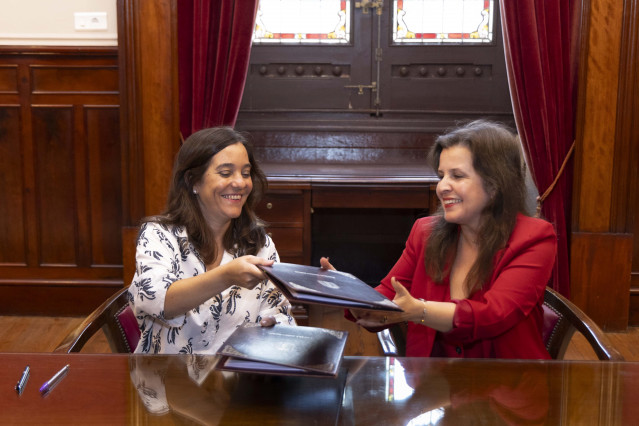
(188, 293)
(436, 315)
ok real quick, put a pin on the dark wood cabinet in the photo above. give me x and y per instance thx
(286, 210)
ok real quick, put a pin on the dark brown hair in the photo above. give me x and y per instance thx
(497, 158)
(246, 234)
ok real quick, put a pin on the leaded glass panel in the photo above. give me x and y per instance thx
(442, 21)
(303, 21)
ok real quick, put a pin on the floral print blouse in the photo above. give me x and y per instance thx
(163, 256)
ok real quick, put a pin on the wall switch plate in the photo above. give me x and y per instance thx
(90, 21)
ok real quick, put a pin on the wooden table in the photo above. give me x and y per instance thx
(183, 389)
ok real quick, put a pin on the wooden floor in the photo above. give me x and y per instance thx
(43, 334)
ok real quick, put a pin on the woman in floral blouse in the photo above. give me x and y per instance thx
(197, 278)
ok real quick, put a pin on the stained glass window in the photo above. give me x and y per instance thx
(442, 21)
(303, 21)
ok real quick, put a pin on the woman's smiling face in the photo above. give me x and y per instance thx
(225, 186)
(460, 188)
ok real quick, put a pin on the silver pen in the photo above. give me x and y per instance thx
(53, 381)
(23, 380)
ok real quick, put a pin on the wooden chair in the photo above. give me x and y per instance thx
(561, 319)
(115, 317)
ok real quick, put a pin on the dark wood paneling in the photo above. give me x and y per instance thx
(54, 166)
(287, 212)
(8, 79)
(600, 277)
(371, 196)
(633, 316)
(60, 193)
(12, 224)
(129, 240)
(288, 240)
(74, 79)
(105, 182)
(282, 208)
(68, 299)
(348, 147)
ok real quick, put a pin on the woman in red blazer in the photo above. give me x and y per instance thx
(471, 279)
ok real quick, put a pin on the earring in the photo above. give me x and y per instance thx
(195, 191)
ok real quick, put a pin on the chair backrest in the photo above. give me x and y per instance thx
(115, 317)
(561, 319)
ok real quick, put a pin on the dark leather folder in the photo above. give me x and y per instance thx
(283, 350)
(314, 285)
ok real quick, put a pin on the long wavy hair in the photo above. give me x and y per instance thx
(497, 158)
(246, 234)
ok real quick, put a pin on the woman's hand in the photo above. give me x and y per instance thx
(244, 272)
(437, 315)
(356, 313)
(404, 300)
(412, 310)
(325, 264)
(268, 321)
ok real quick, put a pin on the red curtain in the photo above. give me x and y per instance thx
(214, 45)
(540, 41)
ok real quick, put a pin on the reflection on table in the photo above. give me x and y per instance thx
(188, 389)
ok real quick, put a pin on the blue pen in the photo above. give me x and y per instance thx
(23, 380)
(53, 381)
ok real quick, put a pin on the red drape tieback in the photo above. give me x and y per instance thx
(541, 198)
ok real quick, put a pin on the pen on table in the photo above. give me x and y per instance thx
(23, 380)
(53, 381)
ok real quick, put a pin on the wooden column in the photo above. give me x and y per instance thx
(147, 33)
(147, 36)
(601, 240)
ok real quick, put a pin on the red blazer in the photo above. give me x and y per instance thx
(502, 320)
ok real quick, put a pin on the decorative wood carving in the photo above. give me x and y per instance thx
(438, 71)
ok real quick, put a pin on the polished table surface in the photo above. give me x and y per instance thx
(187, 389)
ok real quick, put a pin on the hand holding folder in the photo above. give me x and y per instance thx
(315, 285)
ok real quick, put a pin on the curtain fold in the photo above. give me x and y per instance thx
(541, 49)
(214, 46)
